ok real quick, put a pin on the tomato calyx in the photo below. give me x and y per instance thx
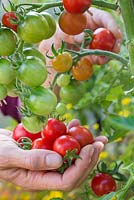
(24, 143)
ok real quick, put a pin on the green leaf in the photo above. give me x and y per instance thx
(56, 198)
(114, 93)
(125, 123)
(107, 197)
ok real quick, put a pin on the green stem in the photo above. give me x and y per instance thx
(127, 10)
(105, 4)
(112, 55)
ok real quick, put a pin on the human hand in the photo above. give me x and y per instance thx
(32, 169)
(97, 18)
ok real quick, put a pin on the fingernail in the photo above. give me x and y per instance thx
(53, 161)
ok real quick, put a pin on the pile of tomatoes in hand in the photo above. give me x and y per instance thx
(56, 137)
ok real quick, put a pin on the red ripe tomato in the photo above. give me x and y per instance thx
(72, 24)
(82, 135)
(76, 6)
(19, 132)
(103, 184)
(7, 20)
(54, 129)
(103, 39)
(42, 143)
(66, 143)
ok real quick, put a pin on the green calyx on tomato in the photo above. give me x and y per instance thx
(7, 73)
(51, 22)
(32, 124)
(34, 52)
(42, 101)
(34, 28)
(3, 92)
(7, 42)
(72, 93)
(32, 72)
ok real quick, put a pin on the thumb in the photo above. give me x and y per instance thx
(36, 159)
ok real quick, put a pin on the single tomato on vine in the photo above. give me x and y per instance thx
(62, 62)
(103, 39)
(9, 19)
(66, 143)
(82, 70)
(72, 24)
(102, 184)
(54, 129)
(76, 6)
(63, 80)
(82, 135)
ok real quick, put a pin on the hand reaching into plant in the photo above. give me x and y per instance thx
(32, 169)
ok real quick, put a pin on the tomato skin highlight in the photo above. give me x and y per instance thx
(6, 20)
(103, 39)
(42, 143)
(103, 184)
(76, 6)
(72, 24)
(42, 101)
(82, 135)
(66, 143)
(19, 131)
(54, 129)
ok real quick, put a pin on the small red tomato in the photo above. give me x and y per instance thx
(42, 143)
(103, 184)
(66, 143)
(103, 39)
(54, 129)
(82, 135)
(20, 132)
(7, 20)
(76, 6)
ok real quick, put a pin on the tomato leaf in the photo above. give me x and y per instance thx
(107, 197)
(114, 93)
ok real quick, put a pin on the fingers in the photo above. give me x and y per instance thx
(74, 122)
(102, 139)
(5, 132)
(33, 159)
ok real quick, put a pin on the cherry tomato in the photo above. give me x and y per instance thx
(63, 80)
(42, 101)
(32, 124)
(34, 28)
(81, 134)
(54, 129)
(19, 131)
(103, 184)
(7, 73)
(8, 20)
(103, 39)
(62, 62)
(66, 143)
(3, 92)
(42, 143)
(61, 108)
(32, 72)
(34, 52)
(76, 6)
(51, 22)
(72, 93)
(7, 42)
(82, 70)
(72, 24)
(11, 89)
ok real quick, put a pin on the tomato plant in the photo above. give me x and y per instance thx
(54, 129)
(103, 39)
(42, 101)
(76, 6)
(77, 25)
(19, 132)
(82, 135)
(82, 70)
(66, 143)
(28, 29)
(9, 19)
(42, 143)
(9, 38)
(62, 62)
(103, 184)
(32, 72)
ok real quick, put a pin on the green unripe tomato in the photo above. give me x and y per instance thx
(61, 108)
(63, 80)
(3, 92)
